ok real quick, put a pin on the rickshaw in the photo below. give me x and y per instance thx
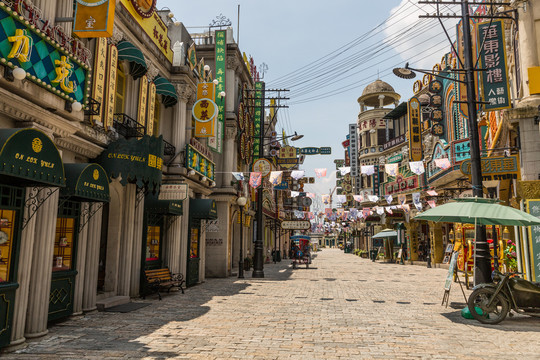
(301, 250)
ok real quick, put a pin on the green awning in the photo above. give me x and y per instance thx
(398, 111)
(385, 234)
(128, 51)
(166, 90)
(166, 207)
(203, 209)
(32, 156)
(88, 182)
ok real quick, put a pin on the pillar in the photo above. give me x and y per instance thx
(82, 242)
(26, 252)
(92, 259)
(229, 154)
(184, 237)
(412, 234)
(126, 240)
(437, 247)
(41, 272)
(528, 54)
(179, 125)
(174, 240)
(137, 240)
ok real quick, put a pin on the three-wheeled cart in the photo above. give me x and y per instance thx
(301, 250)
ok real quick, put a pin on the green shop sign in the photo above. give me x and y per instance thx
(258, 117)
(46, 62)
(199, 163)
(31, 155)
(88, 182)
(137, 161)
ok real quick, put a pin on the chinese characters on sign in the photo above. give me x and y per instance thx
(216, 143)
(495, 89)
(415, 135)
(496, 168)
(205, 110)
(94, 18)
(199, 163)
(100, 69)
(110, 98)
(534, 235)
(258, 116)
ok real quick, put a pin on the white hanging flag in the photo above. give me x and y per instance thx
(297, 174)
(443, 163)
(391, 169)
(295, 193)
(416, 198)
(367, 169)
(345, 170)
(373, 198)
(417, 167)
(358, 198)
(341, 198)
(320, 173)
(389, 199)
(275, 177)
(326, 199)
(389, 210)
(418, 206)
(238, 176)
(432, 193)
(310, 195)
(380, 210)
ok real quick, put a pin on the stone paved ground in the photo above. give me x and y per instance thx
(342, 307)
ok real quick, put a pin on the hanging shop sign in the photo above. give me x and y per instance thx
(216, 142)
(258, 107)
(151, 108)
(325, 150)
(496, 168)
(435, 86)
(309, 151)
(88, 182)
(201, 148)
(461, 150)
(110, 94)
(296, 225)
(173, 191)
(144, 14)
(135, 160)
(287, 157)
(395, 158)
(401, 184)
(205, 110)
(94, 18)
(203, 209)
(31, 155)
(263, 166)
(143, 93)
(495, 88)
(533, 207)
(155, 205)
(99, 74)
(49, 60)
(201, 164)
(394, 142)
(415, 134)
(439, 152)
(284, 185)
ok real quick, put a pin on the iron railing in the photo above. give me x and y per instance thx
(168, 149)
(127, 126)
(94, 107)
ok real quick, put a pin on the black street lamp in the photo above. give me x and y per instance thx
(241, 201)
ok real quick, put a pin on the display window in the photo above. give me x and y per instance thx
(153, 243)
(194, 244)
(63, 244)
(7, 219)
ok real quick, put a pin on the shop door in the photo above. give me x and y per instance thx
(63, 262)
(192, 276)
(11, 203)
(153, 245)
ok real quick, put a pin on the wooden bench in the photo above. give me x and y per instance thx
(158, 279)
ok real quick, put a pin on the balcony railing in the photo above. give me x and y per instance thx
(93, 107)
(127, 126)
(168, 149)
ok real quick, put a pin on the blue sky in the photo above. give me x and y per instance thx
(290, 35)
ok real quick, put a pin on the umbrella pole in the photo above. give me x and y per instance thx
(474, 260)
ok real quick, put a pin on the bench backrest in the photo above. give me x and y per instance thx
(158, 274)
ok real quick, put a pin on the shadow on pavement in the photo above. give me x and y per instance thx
(514, 323)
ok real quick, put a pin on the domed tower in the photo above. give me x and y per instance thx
(375, 103)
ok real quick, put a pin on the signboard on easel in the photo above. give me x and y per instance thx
(450, 277)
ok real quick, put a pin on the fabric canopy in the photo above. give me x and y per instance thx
(128, 51)
(478, 210)
(385, 234)
(88, 182)
(166, 90)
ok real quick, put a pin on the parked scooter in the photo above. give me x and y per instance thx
(490, 303)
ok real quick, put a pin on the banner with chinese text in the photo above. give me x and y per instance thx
(258, 118)
(216, 143)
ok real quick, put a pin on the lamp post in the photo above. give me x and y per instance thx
(241, 201)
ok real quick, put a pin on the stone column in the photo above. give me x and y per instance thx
(528, 55)
(92, 259)
(82, 242)
(137, 248)
(184, 237)
(412, 234)
(174, 240)
(26, 252)
(437, 249)
(41, 272)
(126, 240)
(229, 152)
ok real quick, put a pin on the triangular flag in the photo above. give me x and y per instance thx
(416, 198)
(341, 198)
(443, 163)
(255, 179)
(373, 198)
(238, 176)
(275, 177)
(297, 174)
(432, 193)
(391, 169)
(402, 199)
(389, 199)
(326, 199)
(432, 203)
(320, 173)
(417, 167)
(367, 169)
(345, 170)
(294, 193)
(310, 195)
(389, 210)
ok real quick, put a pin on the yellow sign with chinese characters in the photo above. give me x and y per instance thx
(63, 70)
(143, 93)
(100, 70)
(496, 168)
(151, 108)
(109, 103)
(22, 46)
(154, 27)
(94, 18)
(205, 110)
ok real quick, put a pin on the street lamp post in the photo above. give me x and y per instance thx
(241, 201)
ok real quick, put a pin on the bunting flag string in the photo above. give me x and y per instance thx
(275, 177)
(238, 176)
(432, 193)
(373, 198)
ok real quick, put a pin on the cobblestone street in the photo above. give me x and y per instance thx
(342, 307)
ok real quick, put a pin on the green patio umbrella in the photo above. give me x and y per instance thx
(479, 211)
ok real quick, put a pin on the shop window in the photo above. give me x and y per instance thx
(63, 244)
(120, 94)
(194, 244)
(7, 219)
(153, 243)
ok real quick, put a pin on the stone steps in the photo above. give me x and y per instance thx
(112, 301)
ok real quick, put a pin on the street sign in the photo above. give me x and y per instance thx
(283, 186)
(309, 151)
(326, 150)
(295, 225)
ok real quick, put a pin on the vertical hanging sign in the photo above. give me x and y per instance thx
(415, 134)
(534, 239)
(151, 108)
(495, 87)
(112, 64)
(94, 18)
(143, 98)
(100, 70)
(204, 111)
(216, 143)
(258, 117)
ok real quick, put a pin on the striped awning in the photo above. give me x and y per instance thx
(166, 90)
(128, 51)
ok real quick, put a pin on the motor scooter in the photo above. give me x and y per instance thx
(490, 303)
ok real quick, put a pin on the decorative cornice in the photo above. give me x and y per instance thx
(184, 91)
(233, 63)
(230, 132)
(528, 189)
(79, 146)
(117, 35)
(153, 71)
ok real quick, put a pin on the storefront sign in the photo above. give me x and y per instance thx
(199, 163)
(173, 192)
(533, 207)
(496, 168)
(205, 110)
(135, 161)
(495, 88)
(143, 12)
(258, 116)
(284, 185)
(309, 151)
(86, 181)
(372, 124)
(201, 149)
(151, 108)
(461, 150)
(287, 157)
(394, 142)
(99, 74)
(295, 225)
(439, 152)
(263, 166)
(216, 143)
(415, 132)
(401, 184)
(326, 150)
(57, 66)
(110, 97)
(94, 18)
(143, 93)
(395, 158)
